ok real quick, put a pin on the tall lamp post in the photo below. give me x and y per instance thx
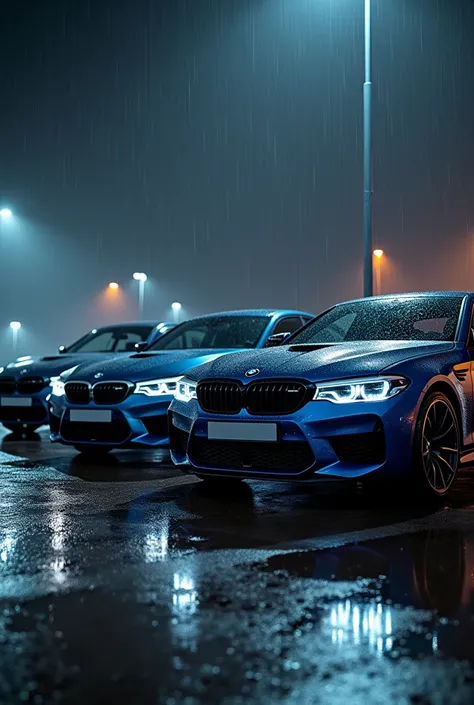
(141, 278)
(368, 270)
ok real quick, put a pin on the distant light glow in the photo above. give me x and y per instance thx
(176, 306)
(140, 276)
(94, 331)
(15, 325)
(113, 285)
(5, 213)
(378, 253)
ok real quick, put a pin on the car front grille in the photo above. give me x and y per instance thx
(111, 392)
(220, 397)
(77, 392)
(286, 456)
(115, 432)
(361, 448)
(24, 385)
(269, 397)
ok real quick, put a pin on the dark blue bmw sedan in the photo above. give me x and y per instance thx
(378, 388)
(124, 402)
(26, 382)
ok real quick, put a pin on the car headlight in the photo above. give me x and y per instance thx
(185, 390)
(157, 387)
(357, 390)
(57, 383)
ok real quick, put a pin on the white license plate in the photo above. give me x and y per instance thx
(241, 431)
(91, 415)
(17, 401)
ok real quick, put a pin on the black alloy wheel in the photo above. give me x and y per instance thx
(437, 445)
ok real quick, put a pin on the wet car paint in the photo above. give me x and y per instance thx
(127, 582)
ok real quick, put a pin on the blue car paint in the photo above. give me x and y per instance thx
(423, 363)
(162, 364)
(52, 366)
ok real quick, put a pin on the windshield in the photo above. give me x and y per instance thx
(216, 332)
(113, 339)
(403, 318)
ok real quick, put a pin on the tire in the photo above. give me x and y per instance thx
(20, 429)
(436, 447)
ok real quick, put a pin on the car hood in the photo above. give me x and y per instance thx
(52, 365)
(145, 366)
(315, 363)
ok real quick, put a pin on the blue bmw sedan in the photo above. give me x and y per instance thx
(26, 382)
(123, 403)
(378, 388)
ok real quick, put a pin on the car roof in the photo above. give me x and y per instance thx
(409, 294)
(136, 324)
(267, 312)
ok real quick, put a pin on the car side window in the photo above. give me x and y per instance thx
(189, 339)
(127, 344)
(103, 342)
(290, 324)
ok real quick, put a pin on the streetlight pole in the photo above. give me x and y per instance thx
(367, 177)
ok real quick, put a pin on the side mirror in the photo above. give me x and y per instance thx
(140, 347)
(276, 339)
(61, 349)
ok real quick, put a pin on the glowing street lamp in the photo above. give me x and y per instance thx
(141, 278)
(15, 327)
(176, 306)
(5, 214)
(378, 255)
(113, 285)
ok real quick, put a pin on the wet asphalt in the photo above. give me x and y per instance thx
(127, 582)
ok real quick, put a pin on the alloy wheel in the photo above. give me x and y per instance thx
(440, 445)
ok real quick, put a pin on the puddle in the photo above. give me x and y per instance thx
(421, 584)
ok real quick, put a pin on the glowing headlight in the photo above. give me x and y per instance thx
(354, 390)
(57, 386)
(186, 390)
(57, 383)
(157, 387)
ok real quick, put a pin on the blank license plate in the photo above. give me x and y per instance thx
(17, 401)
(240, 431)
(91, 415)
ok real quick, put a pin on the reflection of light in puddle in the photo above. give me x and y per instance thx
(59, 534)
(156, 544)
(58, 566)
(184, 594)
(185, 622)
(7, 546)
(364, 624)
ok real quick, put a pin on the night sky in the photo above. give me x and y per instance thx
(216, 145)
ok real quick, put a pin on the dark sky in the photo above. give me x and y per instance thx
(216, 145)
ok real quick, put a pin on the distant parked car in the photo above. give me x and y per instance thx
(123, 403)
(26, 382)
(378, 389)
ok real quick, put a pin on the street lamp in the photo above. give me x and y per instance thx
(176, 306)
(367, 168)
(113, 285)
(15, 327)
(378, 254)
(5, 213)
(141, 278)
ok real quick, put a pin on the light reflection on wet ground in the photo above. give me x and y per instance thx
(127, 582)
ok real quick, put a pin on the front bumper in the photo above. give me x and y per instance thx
(34, 415)
(139, 421)
(320, 440)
